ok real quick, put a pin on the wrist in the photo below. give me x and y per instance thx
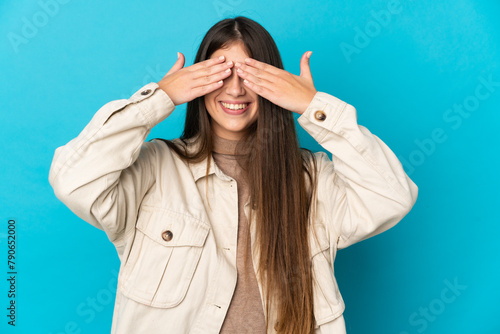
(307, 102)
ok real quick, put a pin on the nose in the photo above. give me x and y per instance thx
(233, 84)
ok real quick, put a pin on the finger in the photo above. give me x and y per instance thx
(257, 80)
(178, 64)
(260, 90)
(207, 63)
(210, 78)
(305, 69)
(216, 68)
(262, 66)
(206, 89)
(255, 72)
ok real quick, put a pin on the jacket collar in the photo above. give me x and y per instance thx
(198, 169)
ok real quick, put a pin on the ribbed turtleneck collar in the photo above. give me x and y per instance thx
(223, 145)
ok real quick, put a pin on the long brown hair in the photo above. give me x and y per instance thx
(276, 168)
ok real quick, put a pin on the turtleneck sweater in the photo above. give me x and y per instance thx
(245, 313)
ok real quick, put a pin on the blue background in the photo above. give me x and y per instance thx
(403, 79)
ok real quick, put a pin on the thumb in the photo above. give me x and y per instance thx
(305, 69)
(178, 64)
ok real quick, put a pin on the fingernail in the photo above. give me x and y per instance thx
(229, 63)
(178, 55)
(247, 60)
(309, 54)
(221, 57)
(237, 64)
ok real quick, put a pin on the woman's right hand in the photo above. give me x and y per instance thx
(185, 84)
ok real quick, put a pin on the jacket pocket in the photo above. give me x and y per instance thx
(163, 258)
(328, 303)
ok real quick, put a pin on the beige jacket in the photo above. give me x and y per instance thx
(178, 256)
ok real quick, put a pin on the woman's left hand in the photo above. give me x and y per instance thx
(282, 88)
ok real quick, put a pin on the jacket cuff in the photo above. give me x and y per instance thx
(322, 115)
(155, 104)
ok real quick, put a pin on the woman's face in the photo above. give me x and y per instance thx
(233, 107)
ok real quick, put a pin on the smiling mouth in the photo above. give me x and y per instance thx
(234, 108)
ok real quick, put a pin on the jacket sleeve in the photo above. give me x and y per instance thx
(103, 174)
(363, 190)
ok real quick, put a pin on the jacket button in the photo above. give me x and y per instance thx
(167, 235)
(320, 115)
(146, 92)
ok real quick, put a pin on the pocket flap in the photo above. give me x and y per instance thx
(172, 229)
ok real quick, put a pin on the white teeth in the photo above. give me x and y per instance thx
(234, 106)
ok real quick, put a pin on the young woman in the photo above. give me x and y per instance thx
(231, 228)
